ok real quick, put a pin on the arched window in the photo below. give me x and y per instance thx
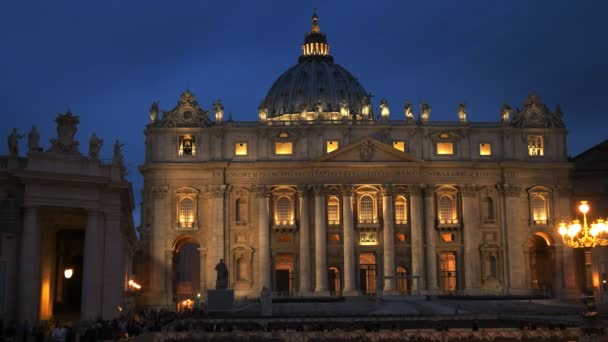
(186, 212)
(400, 210)
(366, 209)
(445, 209)
(488, 210)
(284, 210)
(333, 210)
(402, 281)
(539, 209)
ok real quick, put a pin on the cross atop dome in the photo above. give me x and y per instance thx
(315, 41)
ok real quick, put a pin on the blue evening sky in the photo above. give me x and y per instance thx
(108, 60)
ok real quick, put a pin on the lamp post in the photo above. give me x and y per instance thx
(584, 236)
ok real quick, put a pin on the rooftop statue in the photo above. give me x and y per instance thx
(95, 146)
(66, 130)
(219, 110)
(407, 111)
(425, 112)
(154, 111)
(505, 113)
(384, 110)
(13, 142)
(33, 140)
(222, 275)
(462, 112)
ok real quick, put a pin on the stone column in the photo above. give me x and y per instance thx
(264, 261)
(305, 281)
(202, 251)
(217, 249)
(320, 243)
(168, 265)
(470, 231)
(388, 241)
(92, 263)
(29, 267)
(503, 237)
(161, 213)
(350, 287)
(416, 238)
(431, 240)
(516, 214)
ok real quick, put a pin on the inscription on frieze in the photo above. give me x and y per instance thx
(302, 173)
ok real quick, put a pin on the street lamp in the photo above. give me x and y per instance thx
(68, 273)
(586, 236)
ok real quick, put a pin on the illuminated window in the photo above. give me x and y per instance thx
(366, 209)
(331, 145)
(400, 210)
(400, 237)
(539, 209)
(447, 262)
(240, 149)
(283, 135)
(334, 237)
(485, 149)
(186, 212)
(446, 214)
(284, 210)
(283, 148)
(399, 145)
(445, 148)
(447, 237)
(535, 145)
(187, 146)
(487, 205)
(333, 210)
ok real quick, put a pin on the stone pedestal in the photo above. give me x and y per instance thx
(220, 300)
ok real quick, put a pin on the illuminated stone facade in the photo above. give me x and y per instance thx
(321, 197)
(62, 210)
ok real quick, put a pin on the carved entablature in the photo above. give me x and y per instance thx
(159, 192)
(414, 190)
(260, 191)
(387, 190)
(510, 189)
(446, 136)
(187, 113)
(536, 115)
(469, 190)
(217, 191)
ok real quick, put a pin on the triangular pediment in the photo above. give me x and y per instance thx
(368, 150)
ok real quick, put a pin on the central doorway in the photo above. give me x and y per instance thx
(367, 273)
(541, 263)
(334, 281)
(186, 271)
(283, 275)
(68, 287)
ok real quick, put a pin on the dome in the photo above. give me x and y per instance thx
(316, 87)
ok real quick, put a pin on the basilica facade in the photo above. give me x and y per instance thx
(324, 196)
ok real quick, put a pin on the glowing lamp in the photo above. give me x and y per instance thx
(68, 273)
(584, 207)
(562, 229)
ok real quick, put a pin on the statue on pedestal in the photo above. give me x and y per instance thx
(222, 275)
(33, 140)
(13, 142)
(95, 146)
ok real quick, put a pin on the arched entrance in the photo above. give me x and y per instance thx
(283, 275)
(367, 273)
(186, 270)
(541, 263)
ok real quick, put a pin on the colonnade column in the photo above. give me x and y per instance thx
(304, 272)
(388, 241)
(161, 219)
(350, 288)
(431, 239)
(516, 237)
(320, 243)
(417, 238)
(113, 265)
(29, 267)
(472, 266)
(92, 263)
(264, 261)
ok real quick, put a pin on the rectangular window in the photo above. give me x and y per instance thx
(535, 145)
(399, 145)
(445, 148)
(331, 145)
(240, 149)
(187, 146)
(283, 148)
(485, 149)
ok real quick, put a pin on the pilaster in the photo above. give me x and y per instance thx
(262, 198)
(304, 257)
(350, 287)
(320, 242)
(417, 237)
(471, 238)
(388, 240)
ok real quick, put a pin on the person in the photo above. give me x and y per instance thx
(222, 275)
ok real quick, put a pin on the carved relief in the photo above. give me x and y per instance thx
(187, 113)
(367, 150)
(536, 114)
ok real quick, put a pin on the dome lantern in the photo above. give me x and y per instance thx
(315, 41)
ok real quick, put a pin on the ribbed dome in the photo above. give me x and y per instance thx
(316, 81)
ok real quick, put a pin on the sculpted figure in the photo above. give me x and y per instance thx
(221, 281)
(407, 110)
(366, 106)
(425, 112)
(13, 142)
(319, 107)
(462, 112)
(154, 111)
(505, 113)
(33, 140)
(384, 110)
(219, 110)
(95, 146)
(117, 157)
